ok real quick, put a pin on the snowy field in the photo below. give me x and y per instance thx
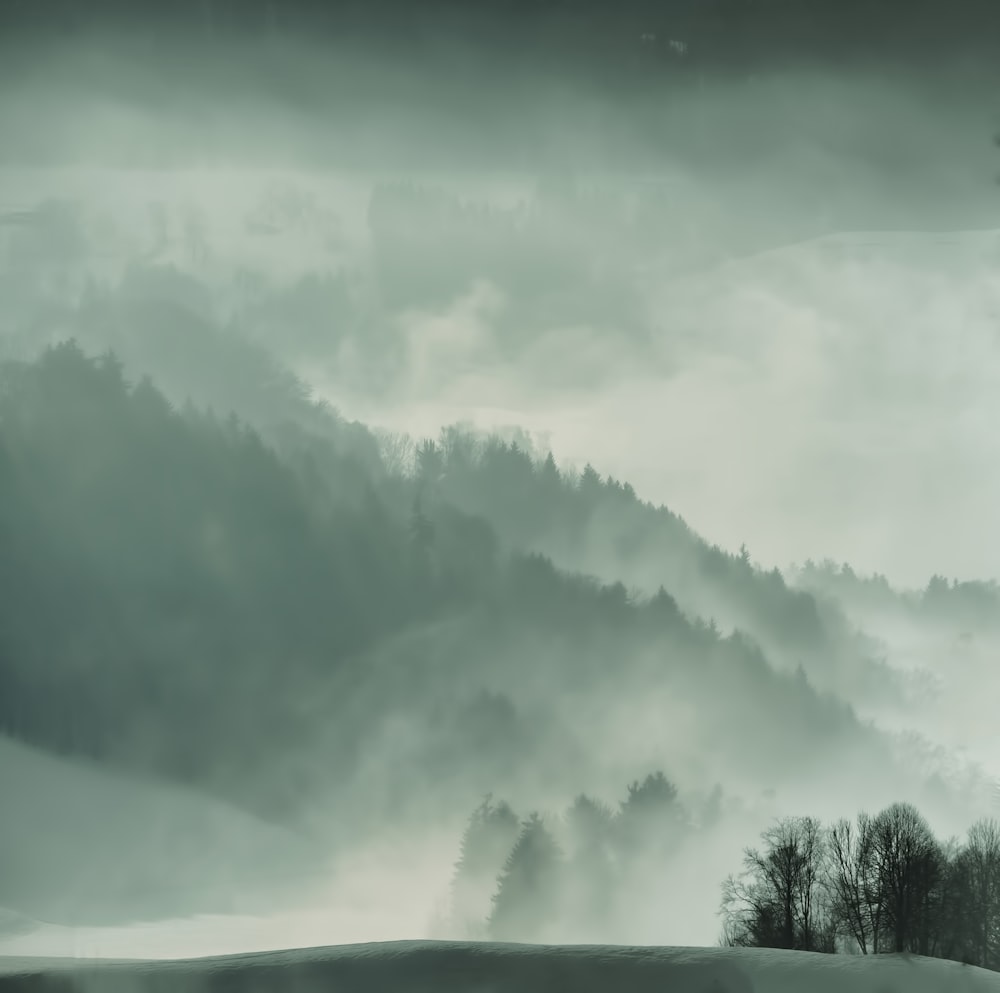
(423, 967)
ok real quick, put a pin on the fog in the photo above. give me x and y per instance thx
(255, 693)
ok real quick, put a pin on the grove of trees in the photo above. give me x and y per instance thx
(560, 878)
(878, 884)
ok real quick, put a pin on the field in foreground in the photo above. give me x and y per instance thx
(409, 967)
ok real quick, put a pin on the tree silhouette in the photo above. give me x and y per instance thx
(651, 818)
(592, 877)
(853, 883)
(777, 902)
(882, 883)
(491, 831)
(528, 900)
(981, 896)
(908, 861)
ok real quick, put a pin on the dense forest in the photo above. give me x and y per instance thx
(173, 584)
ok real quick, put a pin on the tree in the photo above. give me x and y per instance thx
(909, 866)
(529, 890)
(429, 463)
(591, 486)
(590, 823)
(651, 817)
(852, 883)
(777, 901)
(592, 880)
(976, 892)
(489, 834)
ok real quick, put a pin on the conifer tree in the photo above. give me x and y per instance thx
(488, 837)
(527, 902)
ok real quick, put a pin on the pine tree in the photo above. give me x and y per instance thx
(651, 817)
(528, 901)
(491, 831)
(592, 881)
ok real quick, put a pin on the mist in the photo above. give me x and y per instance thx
(388, 423)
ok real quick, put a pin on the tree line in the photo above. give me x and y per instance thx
(873, 885)
(877, 884)
(962, 605)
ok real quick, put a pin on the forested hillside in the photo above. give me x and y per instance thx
(158, 321)
(180, 597)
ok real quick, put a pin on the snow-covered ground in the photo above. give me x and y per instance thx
(409, 967)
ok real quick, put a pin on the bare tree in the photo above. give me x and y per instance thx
(852, 883)
(981, 856)
(909, 864)
(397, 451)
(777, 901)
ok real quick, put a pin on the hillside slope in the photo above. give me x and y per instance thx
(180, 598)
(420, 967)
